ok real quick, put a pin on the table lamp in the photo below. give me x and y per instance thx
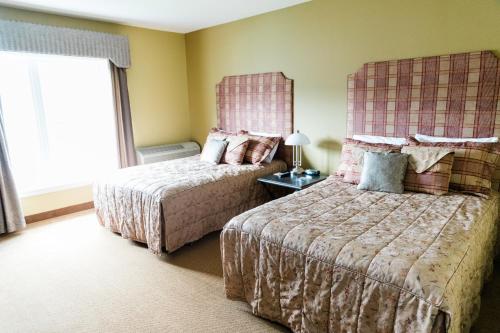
(297, 140)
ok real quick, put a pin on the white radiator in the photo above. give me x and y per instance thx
(154, 154)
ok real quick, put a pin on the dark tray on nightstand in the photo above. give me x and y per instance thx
(297, 183)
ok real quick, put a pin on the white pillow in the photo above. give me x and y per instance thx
(269, 157)
(213, 151)
(380, 139)
(428, 138)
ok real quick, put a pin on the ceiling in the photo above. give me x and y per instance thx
(170, 15)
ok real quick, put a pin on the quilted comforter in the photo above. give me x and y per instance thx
(333, 258)
(176, 202)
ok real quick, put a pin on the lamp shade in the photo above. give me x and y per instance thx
(297, 139)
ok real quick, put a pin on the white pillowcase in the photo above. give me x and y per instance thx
(428, 138)
(213, 151)
(380, 139)
(269, 157)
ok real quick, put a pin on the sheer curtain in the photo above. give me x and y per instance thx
(44, 39)
(125, 134)
(11, 214)
(60, 120)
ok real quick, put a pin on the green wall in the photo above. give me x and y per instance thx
(319, 43)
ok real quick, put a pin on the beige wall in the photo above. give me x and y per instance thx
(318, 43)
(157, 87)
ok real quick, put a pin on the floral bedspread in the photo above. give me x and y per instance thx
(332, 258)
(175, 202)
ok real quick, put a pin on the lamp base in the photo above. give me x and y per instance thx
(297, 170)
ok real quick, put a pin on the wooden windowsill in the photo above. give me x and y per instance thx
(59, 212)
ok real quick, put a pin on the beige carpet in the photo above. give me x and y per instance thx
(71, 275)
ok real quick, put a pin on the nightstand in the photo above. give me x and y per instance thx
(291, 182)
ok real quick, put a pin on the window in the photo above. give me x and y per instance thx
(59, 120)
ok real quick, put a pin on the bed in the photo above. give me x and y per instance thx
(169, 204)
(333, 258)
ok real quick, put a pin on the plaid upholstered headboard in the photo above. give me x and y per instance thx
(257, 103)
(453, 95)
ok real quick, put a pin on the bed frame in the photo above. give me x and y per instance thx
(454, 95)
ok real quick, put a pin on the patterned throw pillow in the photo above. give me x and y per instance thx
(236, 148)
(473, 166)
(259, 147)
(496, 176)
(219, 134)
(351, 159)
(429, 169)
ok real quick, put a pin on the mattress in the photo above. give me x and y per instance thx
(332, 258)
(175, 202)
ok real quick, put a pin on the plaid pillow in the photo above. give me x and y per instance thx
(473, 166)
(218, 134)
(259, 147)
(351, 159)
(495, 184)
(236, 148)
(434, 180)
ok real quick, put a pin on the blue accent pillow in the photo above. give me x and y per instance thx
(384, 172)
